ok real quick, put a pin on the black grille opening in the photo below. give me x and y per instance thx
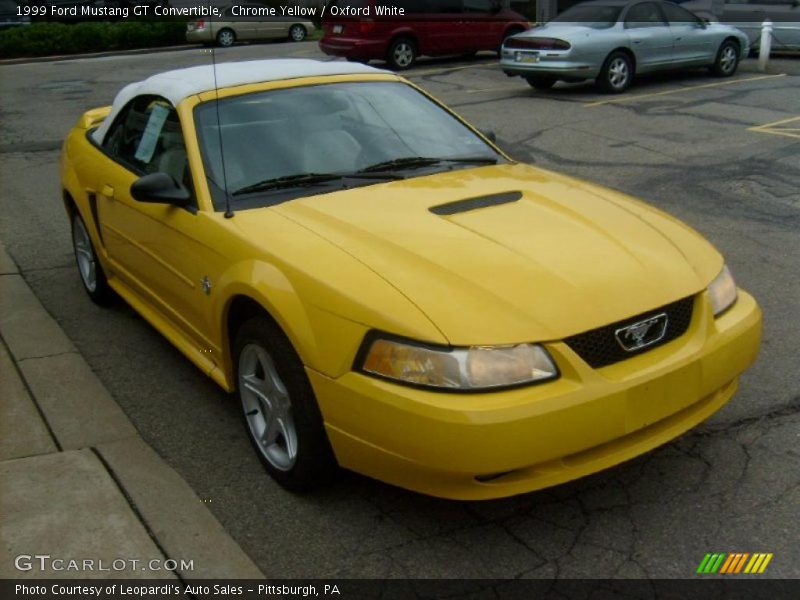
(599, 347)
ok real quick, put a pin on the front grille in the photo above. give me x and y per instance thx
(599, 347)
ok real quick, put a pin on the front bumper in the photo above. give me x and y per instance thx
(481, 446)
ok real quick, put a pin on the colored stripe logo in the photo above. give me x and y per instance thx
(734, 563)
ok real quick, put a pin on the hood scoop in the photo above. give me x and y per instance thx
(468, 204)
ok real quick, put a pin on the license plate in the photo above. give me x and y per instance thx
(527, 57)
(338, 29)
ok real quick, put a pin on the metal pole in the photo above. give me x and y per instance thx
(765, 45)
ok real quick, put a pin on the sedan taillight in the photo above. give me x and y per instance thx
(536, 43)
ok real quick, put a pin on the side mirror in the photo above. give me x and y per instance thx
(489, 135)
(160, 188)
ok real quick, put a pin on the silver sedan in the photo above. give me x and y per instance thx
(612, 40)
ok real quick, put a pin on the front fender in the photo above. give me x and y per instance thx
(324, 341)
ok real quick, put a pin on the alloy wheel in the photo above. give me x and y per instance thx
(403, 55)
(618, 73)
(727, 60)
(297, 33)
(267, 407)
(84, 254)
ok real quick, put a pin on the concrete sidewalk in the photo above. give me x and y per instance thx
(77, 482)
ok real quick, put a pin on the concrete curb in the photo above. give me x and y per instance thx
(76, 479)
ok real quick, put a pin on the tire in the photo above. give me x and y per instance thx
(90, 270)
(402, 53)
(541, 82)
(226, 38)
(291, 441)
(727, 59)
(616, 74)
(297, 33)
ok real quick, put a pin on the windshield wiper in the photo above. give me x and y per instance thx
(307, 179)
(413, 162)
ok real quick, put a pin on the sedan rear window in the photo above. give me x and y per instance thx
(597, 17)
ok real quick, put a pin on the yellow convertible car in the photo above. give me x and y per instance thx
(386, 291)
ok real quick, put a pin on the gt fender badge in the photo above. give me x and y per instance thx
(205, 284)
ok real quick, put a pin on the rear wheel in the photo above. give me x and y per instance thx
(402, 53)
(297, 33)
(727, 59)
(541, 82)
(280, 411)
(91, 271)
(616, 74)
(226, 38)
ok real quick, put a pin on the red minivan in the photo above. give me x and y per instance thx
(361, 30)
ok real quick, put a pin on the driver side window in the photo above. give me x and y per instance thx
(147, 138)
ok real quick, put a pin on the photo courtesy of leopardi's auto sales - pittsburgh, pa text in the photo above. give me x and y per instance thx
(204, 8)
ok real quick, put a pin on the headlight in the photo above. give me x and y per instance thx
(722, 291)
(465, 369)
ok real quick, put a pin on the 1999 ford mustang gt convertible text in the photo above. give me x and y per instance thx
(387, 291)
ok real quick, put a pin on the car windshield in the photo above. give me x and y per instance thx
(283, 144)
(598, 17)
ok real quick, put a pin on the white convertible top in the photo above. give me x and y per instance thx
(179, 84)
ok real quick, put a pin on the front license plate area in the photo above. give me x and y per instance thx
(338, 29)
(527, 57)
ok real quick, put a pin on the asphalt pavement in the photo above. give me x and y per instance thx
(723, 155)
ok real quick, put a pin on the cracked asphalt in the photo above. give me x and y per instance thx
(731, 485)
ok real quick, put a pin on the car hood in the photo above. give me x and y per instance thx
(564, 257)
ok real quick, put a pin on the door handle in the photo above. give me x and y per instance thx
(108, 191)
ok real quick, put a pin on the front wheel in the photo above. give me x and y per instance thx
(540, 82)
(91, 271)
(616, 74)
(402, 54)
(226, 38)
(727, 59)
(297, 33)
(281, 414)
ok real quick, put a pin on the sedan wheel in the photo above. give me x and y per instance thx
(402, 54)
(297, 33)
(727, 59)
(617, 73)
(280, 411)
(226, 38)
(92, 275)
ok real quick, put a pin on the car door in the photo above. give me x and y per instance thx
(480, 26)
(649, 36)
(156, 250)
(692, 42)
(445, 28)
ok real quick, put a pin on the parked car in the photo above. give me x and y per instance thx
(235, 27)
(387, 291)
(9, 14)
(748, 15)
(611, 41)
(430, 28)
